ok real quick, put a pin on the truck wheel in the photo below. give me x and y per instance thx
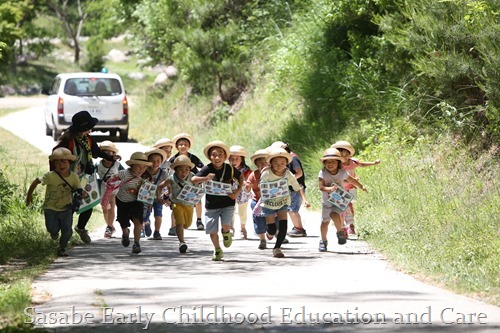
(124, 135)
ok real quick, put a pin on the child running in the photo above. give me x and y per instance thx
(219, 206)
(129, 208)
(183, 142)
(350, 164)
(278, 159)
(182, 210)
(156, 175)
(57, 207)
(105, 169)
(332, 177)
(167, 145)
(237, 160)
(259, 221)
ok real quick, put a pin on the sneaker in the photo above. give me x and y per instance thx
(341, 237)
(218, 255)
(142, 234)
(244, 233)
(61, 252)
(352, 230)
(157, 236)
(199, 225)
(277, 253)
(54, 236)
(285, 241)
(136, 248)
(147, 229)
(262, 244)
(183, 247)
(172, 232)
(125, 239)
(84, 235)
(322, 245)
(295, 232)
(227, 239)
(109, 232)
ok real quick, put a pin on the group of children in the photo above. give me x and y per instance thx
(269, 189)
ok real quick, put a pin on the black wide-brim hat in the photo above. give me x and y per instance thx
(82, 121)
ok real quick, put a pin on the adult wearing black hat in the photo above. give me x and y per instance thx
(78, 140)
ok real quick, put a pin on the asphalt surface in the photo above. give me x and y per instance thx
(103, 287)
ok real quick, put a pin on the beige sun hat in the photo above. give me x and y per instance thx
(279, 144)
(164, 142)
(216, 143)
(108, 146)
(138, 158)
(237, 151)
(279, 152)
(62, 154)
(344, 145)
(182, 160)
(331, 154)
(261, 153)
(157, 151)
(183, 136)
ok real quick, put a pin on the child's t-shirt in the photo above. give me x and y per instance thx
(330, 180)
(177, 185)
(350, 167)
(105, 173)
(158, 178)
(269, 176)
(130, 185)
(58, 193)
(225, 175)
(254, 179)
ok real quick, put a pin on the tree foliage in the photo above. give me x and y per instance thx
(211, 42)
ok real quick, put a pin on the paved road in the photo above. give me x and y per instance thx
(104, 287)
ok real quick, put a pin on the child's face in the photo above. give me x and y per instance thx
(182, 171)
(61, 166)
(110, 152)
(260, 163)
(82, 134)
(183, 145)
(344, 153)
(138, 169)
(278, 164)
(156, 161)
(235, 160)
(331, 165)
(217, 157)
(167, 149)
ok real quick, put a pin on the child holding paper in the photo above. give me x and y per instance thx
(278, 159)
(221, 195)
(129, 208)
(182, 209)
(350, 164)
(332, 177)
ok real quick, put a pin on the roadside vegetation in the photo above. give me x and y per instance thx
(415, 84)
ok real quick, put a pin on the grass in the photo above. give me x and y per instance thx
(26, 249)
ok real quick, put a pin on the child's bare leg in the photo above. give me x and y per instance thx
(214, 237)
(337, 220)
(158, 220)
(324, 229)
(137, 230)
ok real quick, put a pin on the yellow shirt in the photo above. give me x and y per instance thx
(58, 193)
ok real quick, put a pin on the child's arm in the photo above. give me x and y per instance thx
(366, 164)
(304, 199)
(236, 192)
(327, 189)
(29, 195)
(199, 179)
(161, 186)
(356, 183)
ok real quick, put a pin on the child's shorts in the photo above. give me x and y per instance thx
(295, 202)
(327, 209)
(183, 215)
(271, 212)
(127, 211)
(157, 209)
(259, 222)
(212, 216)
